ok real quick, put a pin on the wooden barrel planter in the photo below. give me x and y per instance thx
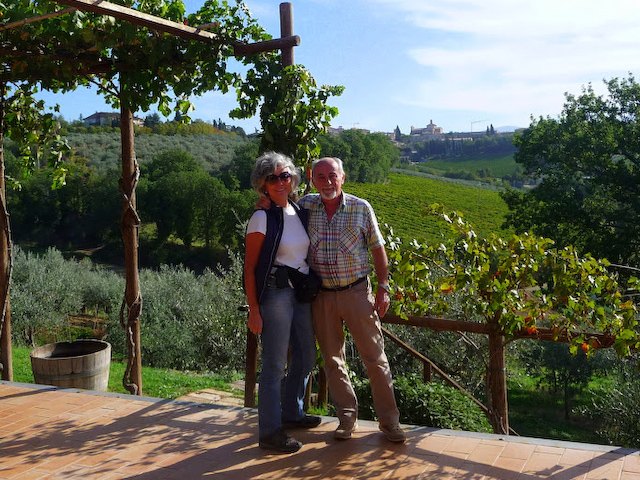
(79, 364)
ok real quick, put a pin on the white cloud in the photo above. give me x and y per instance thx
(516, 56)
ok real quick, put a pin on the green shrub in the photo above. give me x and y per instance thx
(618, 409)
(45, 290)
(189, 321)
(460, 356)
(427, 404)
(102, 293)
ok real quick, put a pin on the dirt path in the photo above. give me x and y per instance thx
(219, 397)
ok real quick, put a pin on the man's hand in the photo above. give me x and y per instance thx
(263, 203)
(382, 302)
(380, 265)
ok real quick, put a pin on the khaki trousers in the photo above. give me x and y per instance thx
(354, 307)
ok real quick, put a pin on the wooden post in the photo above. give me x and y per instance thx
(132, 305)
(323, 388)
(251, 366)
(6, 362)
(426, 372)
(286, 30)
(497, 382)
(306, 403)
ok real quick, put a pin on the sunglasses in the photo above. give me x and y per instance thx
(284, 176)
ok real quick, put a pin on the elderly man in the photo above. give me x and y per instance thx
(342, 231)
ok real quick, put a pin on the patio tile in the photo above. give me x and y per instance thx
(49, 433)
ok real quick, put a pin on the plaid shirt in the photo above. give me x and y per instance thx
(339, 251)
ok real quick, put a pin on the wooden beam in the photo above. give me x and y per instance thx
(6, 358)
(251, 370)
(241, 49)
(184, 31)
(26, 21)
(286, 30)
(129, 224)
(497, 381)
(602, 340)
(443, 324)
(144, 19)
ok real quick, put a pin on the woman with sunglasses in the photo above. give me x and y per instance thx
(276, 239)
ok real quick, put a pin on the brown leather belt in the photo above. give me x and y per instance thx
(346, 287)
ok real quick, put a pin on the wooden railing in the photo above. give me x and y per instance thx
(429, 367)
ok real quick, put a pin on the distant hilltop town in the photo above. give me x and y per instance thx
(431, 130)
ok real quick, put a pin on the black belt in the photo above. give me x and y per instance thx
(347, 287)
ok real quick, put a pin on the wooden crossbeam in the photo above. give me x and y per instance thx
(603, 340)
(26, 21)
(184, 31)
(442, 324)
(283, 43)
(142, 19)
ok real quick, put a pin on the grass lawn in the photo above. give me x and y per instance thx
(401, 202)
(499, 166)
(539, 412)
(156, 382)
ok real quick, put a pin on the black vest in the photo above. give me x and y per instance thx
(275, 226)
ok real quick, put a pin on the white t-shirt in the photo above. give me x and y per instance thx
(294, 244)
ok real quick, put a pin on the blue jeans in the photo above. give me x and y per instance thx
(286, 323)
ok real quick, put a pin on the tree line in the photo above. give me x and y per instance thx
(153, 124)
(192, 212)
(452, 147)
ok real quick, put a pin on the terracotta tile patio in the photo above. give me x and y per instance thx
(47, 433)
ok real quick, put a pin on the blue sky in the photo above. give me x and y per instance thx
(465, 64)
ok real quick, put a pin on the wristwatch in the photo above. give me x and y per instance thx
(385, 286)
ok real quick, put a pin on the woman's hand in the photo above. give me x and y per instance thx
(254, 321)
(253, 245)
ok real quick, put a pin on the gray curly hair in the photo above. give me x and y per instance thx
(266, 164)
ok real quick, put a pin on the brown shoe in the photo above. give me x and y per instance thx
(345, 430)
(308, 421)
(394, 433)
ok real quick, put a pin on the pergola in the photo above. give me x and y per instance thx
(85, 62)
